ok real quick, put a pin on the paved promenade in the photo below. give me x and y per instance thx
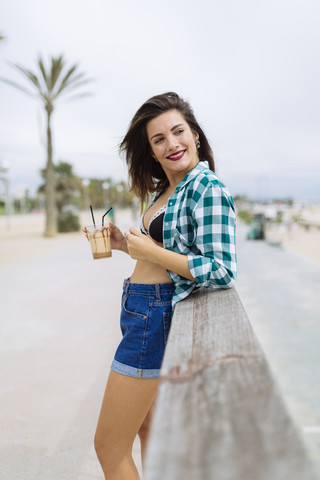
(60, 326)
(280, 291)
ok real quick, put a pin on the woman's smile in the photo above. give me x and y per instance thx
(177, 155)
(173, 145)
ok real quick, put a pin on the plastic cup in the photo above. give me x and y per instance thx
(99, 237)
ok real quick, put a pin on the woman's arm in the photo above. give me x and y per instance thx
(141, 247)
(212, 260)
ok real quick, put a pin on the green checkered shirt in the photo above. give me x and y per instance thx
(200, 222)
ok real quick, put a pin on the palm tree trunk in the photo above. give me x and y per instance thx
(50, 200)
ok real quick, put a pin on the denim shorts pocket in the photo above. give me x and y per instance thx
(166, 317)
(136, 304)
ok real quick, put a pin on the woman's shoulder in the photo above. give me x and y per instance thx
(206, 179)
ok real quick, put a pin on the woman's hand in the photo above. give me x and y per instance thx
(118, 240)
(140, 246)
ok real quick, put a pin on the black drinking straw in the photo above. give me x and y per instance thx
(105, 215)
(94, 223)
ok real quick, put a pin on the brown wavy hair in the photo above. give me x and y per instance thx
(145, 174)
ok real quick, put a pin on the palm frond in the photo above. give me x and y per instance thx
(57, 65)
(73, 84)
(70, 72)
(66, 80)
(27, 73)
(74, 78)
(47, 84)
(43, 70)
(19, 87)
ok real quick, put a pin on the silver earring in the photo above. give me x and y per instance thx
(198, 143)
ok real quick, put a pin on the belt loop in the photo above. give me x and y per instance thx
(126, 286)
(158, 294)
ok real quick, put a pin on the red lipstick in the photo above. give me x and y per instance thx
(177, 155)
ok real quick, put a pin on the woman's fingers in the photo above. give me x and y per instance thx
(85, 231)
(135, 232)
(112, 226)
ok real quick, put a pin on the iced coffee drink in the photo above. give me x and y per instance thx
(99, 237)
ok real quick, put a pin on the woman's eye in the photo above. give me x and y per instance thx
(159, 140)
(177, 132)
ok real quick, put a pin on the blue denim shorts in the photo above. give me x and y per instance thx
(145, 324)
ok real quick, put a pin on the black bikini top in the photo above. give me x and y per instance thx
(155, 225)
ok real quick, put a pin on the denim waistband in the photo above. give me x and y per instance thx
(148, 288)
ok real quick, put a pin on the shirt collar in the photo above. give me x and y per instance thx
(200, 167)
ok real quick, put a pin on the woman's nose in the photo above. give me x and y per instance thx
(172, 142)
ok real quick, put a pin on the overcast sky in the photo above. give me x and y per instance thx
(250, 69)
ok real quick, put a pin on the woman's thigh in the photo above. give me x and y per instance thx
(125, 405)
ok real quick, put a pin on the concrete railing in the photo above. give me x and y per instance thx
(219, 414)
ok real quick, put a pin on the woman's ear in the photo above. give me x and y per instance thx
(196, 139)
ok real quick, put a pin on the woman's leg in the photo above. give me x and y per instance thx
(125, 405)
(144, 431)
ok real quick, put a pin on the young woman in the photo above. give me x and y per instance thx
(186, 241)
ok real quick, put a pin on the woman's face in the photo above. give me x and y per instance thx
(173, 144)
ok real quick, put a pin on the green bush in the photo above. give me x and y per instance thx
(245, 215)
(2, 207)
(68, 222)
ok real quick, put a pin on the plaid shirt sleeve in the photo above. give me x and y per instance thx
(212, 261)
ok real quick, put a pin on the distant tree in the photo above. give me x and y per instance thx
(96, 192)
(118, 194)
(245, 215)
(68, 187)
(48, 85)
(241, 198)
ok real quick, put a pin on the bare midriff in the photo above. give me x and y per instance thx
(148, 272)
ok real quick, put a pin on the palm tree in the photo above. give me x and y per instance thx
(49, 84)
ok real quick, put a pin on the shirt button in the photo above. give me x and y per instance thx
(167, 245)
(170, 203)
(167, 224)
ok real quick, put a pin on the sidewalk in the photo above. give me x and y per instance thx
(59, 330)
(60, 327)
(280, 291)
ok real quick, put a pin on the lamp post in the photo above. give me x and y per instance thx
(105, 187)
(85, 183)
(41, 201)
(4, 171)
(120, 198)
(21, 195)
